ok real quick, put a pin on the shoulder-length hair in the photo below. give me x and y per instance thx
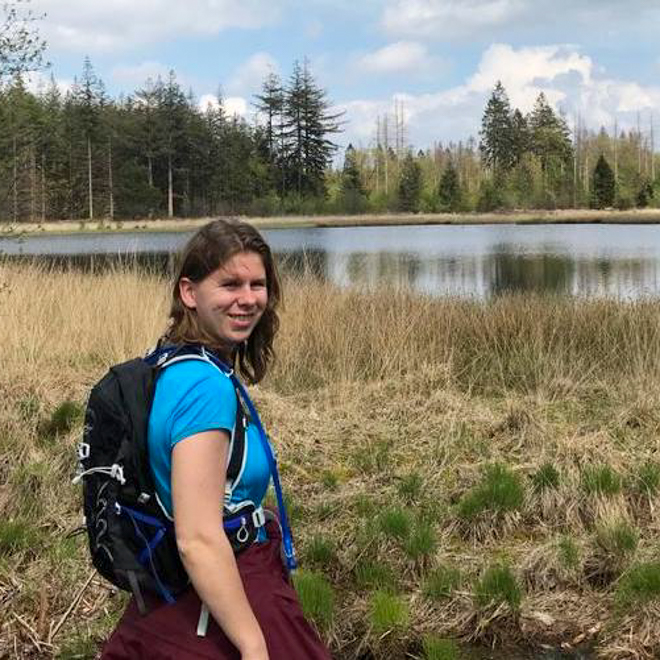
(209, 249)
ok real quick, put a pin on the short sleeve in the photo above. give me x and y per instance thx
(201, 397)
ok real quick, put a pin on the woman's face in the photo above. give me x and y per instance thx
(230, 300)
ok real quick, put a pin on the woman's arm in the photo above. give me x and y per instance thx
(198, 487)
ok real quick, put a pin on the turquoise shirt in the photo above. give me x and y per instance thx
(193, 396)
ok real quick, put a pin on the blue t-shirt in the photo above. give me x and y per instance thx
(193, 396)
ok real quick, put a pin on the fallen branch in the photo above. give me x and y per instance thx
(73, 605)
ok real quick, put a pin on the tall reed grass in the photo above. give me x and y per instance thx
(368, 389)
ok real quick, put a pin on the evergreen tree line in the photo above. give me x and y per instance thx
(521, 161)
(83, 155)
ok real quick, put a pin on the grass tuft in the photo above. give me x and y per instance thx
(317, 597)
(371, 575)
(618, 539)
(17, 535)
(320, 550)
(441, 582)
(647, 478)
(497, 585)
(601, 480)
(437, 648)
(387, 611)
(568, 553)
(500, 490)
(546, 478)
(639, 585)
(422, 542)
(410, 487)
(395, 523)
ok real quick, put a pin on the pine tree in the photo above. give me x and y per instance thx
(603, 187)
(410, 185)
(354, 195)
(307, 125)
(449, 190)
(497, 140)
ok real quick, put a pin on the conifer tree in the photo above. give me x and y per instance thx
(354, 194)
(497, 141)
(603, 187)
(449, 190)
(410, 185)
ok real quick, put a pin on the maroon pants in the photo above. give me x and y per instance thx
(169, 632)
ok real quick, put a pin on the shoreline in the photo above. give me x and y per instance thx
(564, 216)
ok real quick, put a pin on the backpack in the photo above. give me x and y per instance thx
(131, 537)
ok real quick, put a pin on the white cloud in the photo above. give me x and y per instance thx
(233, 105)
(249, 76)
(395, 58)
(447, 18)
(91, 27)
(39, 81)
(569, 79)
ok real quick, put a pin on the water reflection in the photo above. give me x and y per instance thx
(477, 261)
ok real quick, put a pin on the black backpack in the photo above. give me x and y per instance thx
(131, 538)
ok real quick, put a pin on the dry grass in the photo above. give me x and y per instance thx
(369, 389)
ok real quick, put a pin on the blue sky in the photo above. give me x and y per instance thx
(439, 58)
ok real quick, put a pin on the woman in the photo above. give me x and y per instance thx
(225, 298)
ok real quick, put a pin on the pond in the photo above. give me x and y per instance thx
(482, 261)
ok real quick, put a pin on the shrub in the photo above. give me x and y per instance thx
(500, 490)
(316, 597)
(498, 585)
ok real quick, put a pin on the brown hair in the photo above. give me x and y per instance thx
(210, 248)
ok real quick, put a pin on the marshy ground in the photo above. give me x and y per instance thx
(458, 472)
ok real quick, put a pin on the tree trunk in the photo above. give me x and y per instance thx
(15, 187)
(90, 191)
(111, 200)
(170, 191)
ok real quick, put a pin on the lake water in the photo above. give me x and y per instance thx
(481, 261)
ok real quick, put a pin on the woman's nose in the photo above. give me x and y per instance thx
(247, 297)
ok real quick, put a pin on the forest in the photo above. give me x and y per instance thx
(81, 155)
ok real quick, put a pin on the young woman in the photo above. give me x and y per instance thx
(225, 298)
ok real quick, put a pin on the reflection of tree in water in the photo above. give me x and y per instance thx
(304, 263)
(546, 273)
(372, 269)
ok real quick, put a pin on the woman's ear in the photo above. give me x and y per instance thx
(187, 291)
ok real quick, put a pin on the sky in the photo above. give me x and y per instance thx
(599, 59)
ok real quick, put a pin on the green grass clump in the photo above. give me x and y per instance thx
(498, 585)
(364, 505)
(500, 490)
(619, 539)
(647, 478)
(387, 611)
(639, 585)
(437, 648)
(63, 418)
(395, 523)
(568, 553)
(545, 478)
(320, 550)
(317, 597)
(442, 582)
(330, 480)
(373, 575)
(410, 487)
(601, 480)
(422, 542)
(17, 535)
(372, 458)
